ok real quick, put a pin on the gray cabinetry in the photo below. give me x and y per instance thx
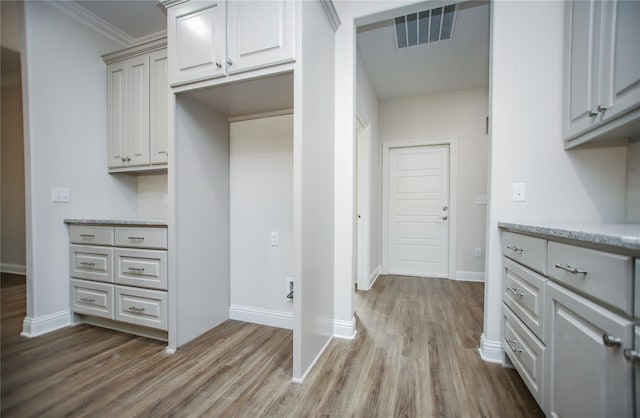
(602, 71)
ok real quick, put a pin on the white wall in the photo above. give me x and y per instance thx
(65, 145)
(633, 182)
(367, 108)
(152, 191)
(526, 144)
(461, 114)
(261, 201)
(12, 228)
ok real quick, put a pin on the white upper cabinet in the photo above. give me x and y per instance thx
(259, 33)
(215, 38)
(196, 31)
(602, 71)
(137, 93)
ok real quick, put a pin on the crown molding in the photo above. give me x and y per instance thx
(82, 15)
(332, 14)
(143, 48)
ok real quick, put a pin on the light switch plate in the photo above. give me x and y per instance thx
(274, 239)
(518, 194)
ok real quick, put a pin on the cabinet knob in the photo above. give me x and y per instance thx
(218, 65)
(632, 356)
(229, 62)
(123, 159)
(128, 159)
(611, 341)
(592, 113)
(601, 108)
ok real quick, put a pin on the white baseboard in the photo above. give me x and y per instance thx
(260, 316)
(13, 268)
(491, 351)
(313, 363)
(345, 330)
(470, 276)
(374, 276)
(33, 327)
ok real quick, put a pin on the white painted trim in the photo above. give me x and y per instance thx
(13, 268)
(452, 142)
(33, 327)
(332, 14)
(260, 316)
(363, 203)
(84, 16)
(313, 363)
(491, 351)
(374, 276)
(170, 350)
(261, 115)
(470, 276)
(151, 36)
(345, 329)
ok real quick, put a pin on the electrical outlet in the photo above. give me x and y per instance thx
(478, 252)
(481, 199)
(60, 195)
(518, 192)
(274, 239)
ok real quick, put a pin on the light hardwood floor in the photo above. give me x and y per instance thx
(415, 355)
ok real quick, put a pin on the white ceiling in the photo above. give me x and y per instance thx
(136, 18)
(461, 62)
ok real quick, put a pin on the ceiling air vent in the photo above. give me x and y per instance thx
(425, 27)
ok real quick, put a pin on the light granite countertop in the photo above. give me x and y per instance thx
(626, 236)
(134, 222)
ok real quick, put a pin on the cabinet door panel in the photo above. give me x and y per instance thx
(584, 21)
(138, 113)
(158, 95)
(621, 89)
(116, 123)
(197, 41)
(259, 33)
(585, 377)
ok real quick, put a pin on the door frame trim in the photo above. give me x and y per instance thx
(387, 146)
(363, 229)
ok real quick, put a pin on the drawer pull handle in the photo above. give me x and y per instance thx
(88, 300)
(515, 249)
(136, 309)
(611, 341)
(87, 235)
(87, 263)
(512, 345)
(139, 269)
(136, 238)
(632, 356)
(514, 291)
(571, 269)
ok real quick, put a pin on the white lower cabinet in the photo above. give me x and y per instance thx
(122, 278)
(569, 331)
(587, 373)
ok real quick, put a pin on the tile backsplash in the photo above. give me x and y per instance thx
(633, 182)
(152, 196)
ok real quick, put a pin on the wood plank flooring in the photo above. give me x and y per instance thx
(415, 355)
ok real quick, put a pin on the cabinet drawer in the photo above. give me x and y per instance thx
(142, 268)
(91, 235)
(141, 237)
(92, 263)
(524, 293)
(141, 307)
(92, 298)
(530, 251)
(599, 274)
(526, 353)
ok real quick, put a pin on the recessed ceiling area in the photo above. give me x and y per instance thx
(459, 63)
(137, 18)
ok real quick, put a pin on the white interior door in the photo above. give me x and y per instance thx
(418, 211)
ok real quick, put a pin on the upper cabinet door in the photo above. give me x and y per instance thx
(582, 73)
(196, 32)
(621, 58)
(158, 107)
(259, 33)
(116, 112)
(138, 112)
